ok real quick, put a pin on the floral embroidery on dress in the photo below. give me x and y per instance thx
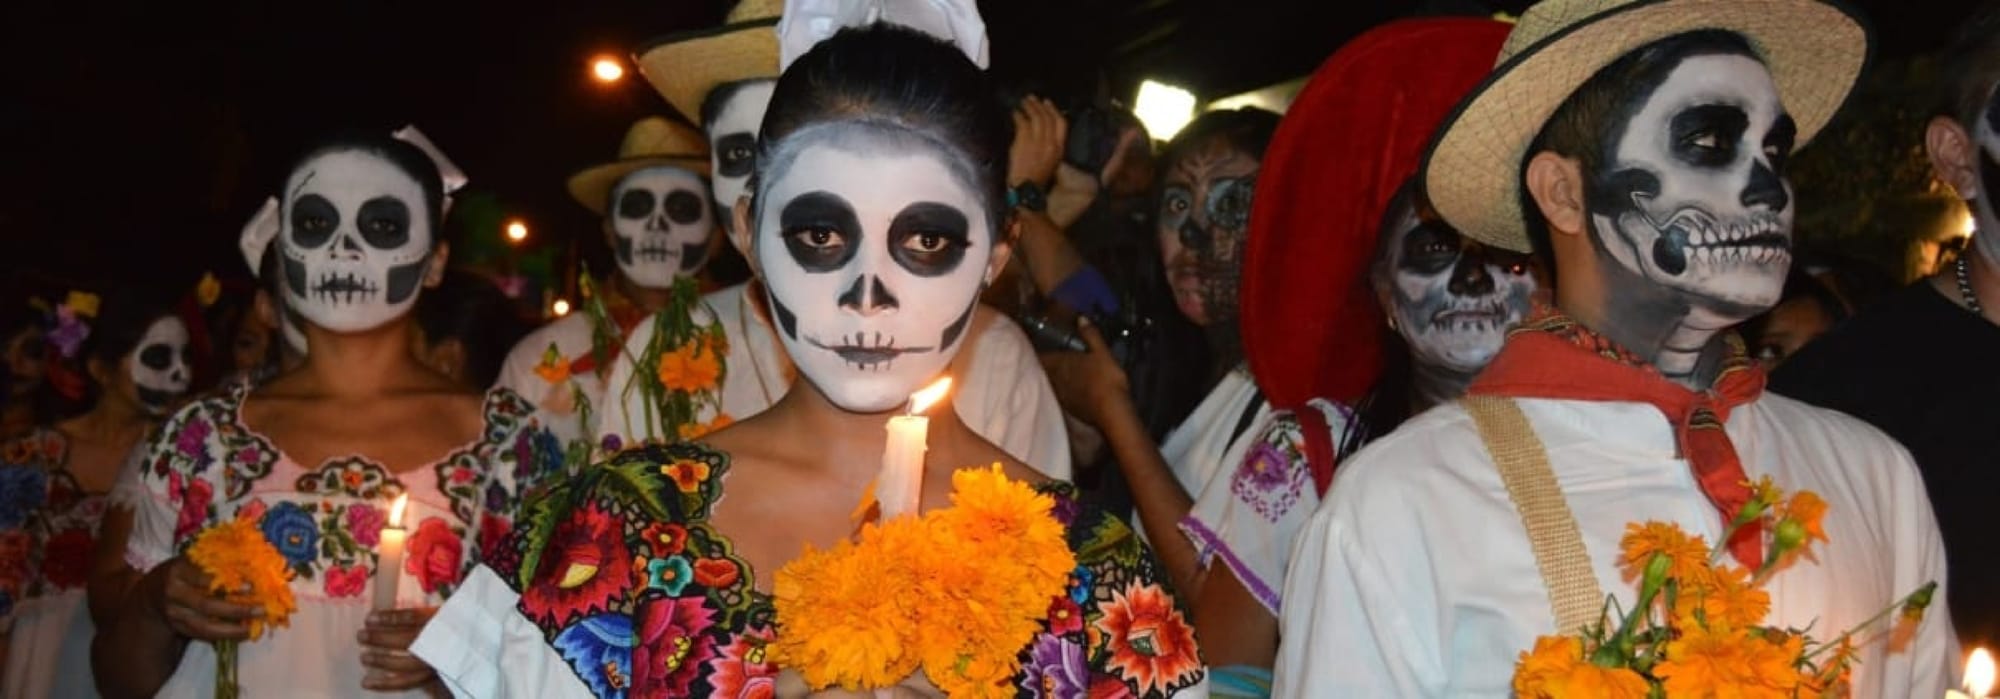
(352, 476)
(1273, 474)
(640, 596)
(48, 524)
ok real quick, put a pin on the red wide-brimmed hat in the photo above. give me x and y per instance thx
(1311, 325)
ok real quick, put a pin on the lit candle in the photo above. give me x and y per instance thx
(389, 556)
(900, 485)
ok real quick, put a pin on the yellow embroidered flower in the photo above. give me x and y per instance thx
(690, 368)
(1556, 669)
(687, 474)
(235, 554)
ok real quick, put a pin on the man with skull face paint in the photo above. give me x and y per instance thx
(1920, 364)
(877, 217)
(1643, 145)
(724, 77)
(137, 359)
(316, 455)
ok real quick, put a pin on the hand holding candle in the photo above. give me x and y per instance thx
(899, 487)
(389, 556)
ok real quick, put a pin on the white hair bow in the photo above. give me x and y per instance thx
(808, 22)
(263, 226)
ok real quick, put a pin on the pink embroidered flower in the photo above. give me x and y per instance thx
(462, 475)
(346, 581)
(194, 495)
(192, 437)
(253, 510)
(742, 669)
(249, 455)
(434, 555)
(673, 645)
(364, 523)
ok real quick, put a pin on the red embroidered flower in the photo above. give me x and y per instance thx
(1151, 645)
(716, 573)
(1109, 688)
(194, 495)
(254, 511)
(462, 475)
(585, 565)
(665, 538)
(66, 558)
(494, 536)
(346, 581)
(687, 474)
(434, 555)
(673, 646)
(742, 669)
(1065, 617)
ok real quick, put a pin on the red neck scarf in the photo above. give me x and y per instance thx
(1551, 356)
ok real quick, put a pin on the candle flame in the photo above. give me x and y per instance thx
(1979, 673)
(396, 510)
(924, 399)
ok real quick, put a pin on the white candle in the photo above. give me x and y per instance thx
(1979, 675)
(899, 487)
(389, 556)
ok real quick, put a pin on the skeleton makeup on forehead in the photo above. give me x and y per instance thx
(1204, 221)
(159, 364)
(356, 240)
(1691, 196)
(1452, 299)
(731, 120)
(874, 244)
(660, 222)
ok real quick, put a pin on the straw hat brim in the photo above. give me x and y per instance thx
(1815, 52)
(684, 67)
(592, 186)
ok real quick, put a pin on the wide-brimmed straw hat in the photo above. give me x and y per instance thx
(684, 67)
(651, 142)
(1814, 50)
(1311, 324)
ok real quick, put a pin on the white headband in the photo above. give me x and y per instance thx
(808, 22)
(264, 224)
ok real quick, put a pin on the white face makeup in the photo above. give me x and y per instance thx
(1453, 299)
(356, 240)
(1693, 197)
(1986, 134)
(732, 141)
(874, 250)
(660, 223)
(160, 364)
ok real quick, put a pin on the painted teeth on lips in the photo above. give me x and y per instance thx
(344, 288)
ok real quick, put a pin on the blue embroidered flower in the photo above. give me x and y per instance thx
(599, 648)
(1081, 581)
(670, 574)
(290, 528)
(496, 498)
(22, 490)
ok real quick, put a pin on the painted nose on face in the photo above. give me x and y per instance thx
(1194, 237)
(1470, 277)
(658, 221)
(1765, 189)
(868, 296)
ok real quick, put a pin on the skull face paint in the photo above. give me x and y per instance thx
(356, 241)
(1693, 197)
(732, 140)
(1986, 220)
(1453, 299)
(1204, 221)
(874, 247)
(159, 365)
(660, 223)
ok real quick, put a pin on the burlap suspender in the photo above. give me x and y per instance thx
(1531, 484)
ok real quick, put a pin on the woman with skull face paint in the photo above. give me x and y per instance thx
(316, 456)
(57, 483)
(878, 216)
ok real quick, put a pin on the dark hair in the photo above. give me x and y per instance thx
(469, 308)
(718, 96)
(898, 77)
(123, 316)
(1581, 126)
(1247, 129)
(1970, 66)
(404, 156)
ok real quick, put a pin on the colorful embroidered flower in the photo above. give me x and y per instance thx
(599, 648)
(716, 573)
(1151, 644)
(1556, 669)
(22, 491)
(611, 443)
(584, 567)
(434, 555)
(673, 646)
(742, 669)
(345, 581)
(364, 523)
(665, 538)
(291, 530)
(496, 498)
(249, 455)
(192, 439)
(690, 369)
(1056, 669)
(671, 574)
(1081, 582)
(688, 474)
(1065, 617)
(66, 558)
(496, 537)
(253, 510)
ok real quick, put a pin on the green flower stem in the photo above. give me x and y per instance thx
(1924, 593)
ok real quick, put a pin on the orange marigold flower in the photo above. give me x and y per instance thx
(1689, 554)
(1808, 509)
(1556, 669)
(1726, 600)
(1732, 663)
(235, 555)
(690, 369)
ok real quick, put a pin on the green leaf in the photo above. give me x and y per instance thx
(542, 514)
(637, 481)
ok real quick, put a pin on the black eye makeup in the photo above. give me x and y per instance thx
(1430, 248)
(735, 154)
(313, 221)
(929, 239)
(635, 204)
(1707, 135)
(384, 222)
(820, 231)
(683, 207)
(1229, 202)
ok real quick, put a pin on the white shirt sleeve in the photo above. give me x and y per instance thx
(1007, 398)
(1931, 658)
(481, 646)
(1347, 629)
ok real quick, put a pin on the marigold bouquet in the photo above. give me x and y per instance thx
(955, 592)
(244, 568)
(1697, 628)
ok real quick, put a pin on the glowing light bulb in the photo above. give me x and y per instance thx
(560, 307)
(1164, 109)
(517, 231)
(607, 69)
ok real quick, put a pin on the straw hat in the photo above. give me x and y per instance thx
(1311, 325)
(683, 67)
(651, 142)
(1814, 50)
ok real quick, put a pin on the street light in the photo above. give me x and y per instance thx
(607, 69)
(517, 231)
(560, 308)
(1164, 109)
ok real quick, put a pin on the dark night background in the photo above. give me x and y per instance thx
(140, 135)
